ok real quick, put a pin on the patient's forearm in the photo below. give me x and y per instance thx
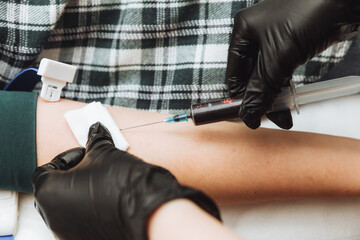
(225, 160)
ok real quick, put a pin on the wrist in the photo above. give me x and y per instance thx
(168, 215)
(183, 219)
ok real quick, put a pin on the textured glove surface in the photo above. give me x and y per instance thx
(272, 38)
(105, 193)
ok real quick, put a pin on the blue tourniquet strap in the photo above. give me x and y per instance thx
(24, 81)
(9, 237)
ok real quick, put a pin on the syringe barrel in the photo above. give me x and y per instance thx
(211, 112)
(228, 109)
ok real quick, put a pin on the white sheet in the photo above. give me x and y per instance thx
(305, 220)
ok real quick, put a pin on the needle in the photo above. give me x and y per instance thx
(173, 119)
(141, 125)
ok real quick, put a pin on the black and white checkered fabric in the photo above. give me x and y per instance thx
(157, 55)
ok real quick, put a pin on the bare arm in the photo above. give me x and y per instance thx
(182, 219)
(225, 160)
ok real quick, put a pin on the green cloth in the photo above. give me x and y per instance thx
(17, 140)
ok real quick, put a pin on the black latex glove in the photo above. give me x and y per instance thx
(272, 38)
(107, 193)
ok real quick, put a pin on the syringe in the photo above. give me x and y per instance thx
(226, 109)
(289, 98)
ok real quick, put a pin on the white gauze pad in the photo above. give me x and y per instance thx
(80, 121)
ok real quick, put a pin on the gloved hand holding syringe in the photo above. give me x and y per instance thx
(289, 98)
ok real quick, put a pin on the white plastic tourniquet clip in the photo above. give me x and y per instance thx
(54, 76)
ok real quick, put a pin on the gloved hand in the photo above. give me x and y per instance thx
(272, 38)
(105, 193)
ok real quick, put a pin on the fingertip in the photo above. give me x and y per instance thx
(253, 124)
(251, 116)
(73, 156)
(69, 159)
(98, 129)
(98, 132)
(282, 119)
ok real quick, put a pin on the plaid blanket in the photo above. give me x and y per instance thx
(157, 55)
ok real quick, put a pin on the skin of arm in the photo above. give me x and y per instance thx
(195, 223)
(227, 161)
